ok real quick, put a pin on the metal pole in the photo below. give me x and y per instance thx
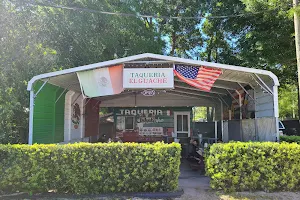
(266, 86)
(246, 92)
(240, 103)
(31, 108)
(76, 99)
(41, 87)
(60, 95)
(276, 112)
(216, 131)
(223, 101)
(233, 96)
(222, 126)
(297, 44)
(262, 87)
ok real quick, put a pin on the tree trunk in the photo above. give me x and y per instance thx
(209, 50)
(173, 43)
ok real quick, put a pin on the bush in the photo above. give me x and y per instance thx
(254, 166)
(84, 168)
(290, 139)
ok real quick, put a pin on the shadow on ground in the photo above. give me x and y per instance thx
(196, 187)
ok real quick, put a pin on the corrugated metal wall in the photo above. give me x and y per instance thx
(264, 104)
(261, 129)
(248, 130)
(48, 121)
(266, 129)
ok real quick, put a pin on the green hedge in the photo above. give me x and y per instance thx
(85, 168)
(290, 139)
(254, 166)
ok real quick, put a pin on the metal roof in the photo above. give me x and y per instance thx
(231, 79)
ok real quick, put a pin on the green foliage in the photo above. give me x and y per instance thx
(200, 113)
(39, 39)
(85, 168)
(290, 138)
(288, 99)
(251, 166)
(182, 34)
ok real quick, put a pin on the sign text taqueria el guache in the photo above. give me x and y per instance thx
(144, 115)
(156, 78)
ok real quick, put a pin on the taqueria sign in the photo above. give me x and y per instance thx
(156, 78)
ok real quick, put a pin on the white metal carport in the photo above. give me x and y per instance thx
(264, 83)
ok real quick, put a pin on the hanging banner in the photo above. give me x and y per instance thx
(154, 78)
(101, 82)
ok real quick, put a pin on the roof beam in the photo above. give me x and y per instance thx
(195, 89)
(121, 95)
(183, 95)
(213, 103)
(223, 87)
(195, 94)
(230, 80)
(236, 81)
(199, 92)
(187, 94)
(215, 85)
(148, 62)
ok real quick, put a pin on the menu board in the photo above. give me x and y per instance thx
(151, 131)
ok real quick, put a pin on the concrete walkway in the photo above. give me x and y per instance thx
(192, 179)
(192, 182)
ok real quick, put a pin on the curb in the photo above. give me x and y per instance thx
(146, 195)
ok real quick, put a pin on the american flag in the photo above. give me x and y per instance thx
(199, 77)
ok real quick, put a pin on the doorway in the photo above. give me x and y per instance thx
(182, 125)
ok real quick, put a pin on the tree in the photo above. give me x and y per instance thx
(182, 34)
(37, 38)
(22, 56)
(288, 97)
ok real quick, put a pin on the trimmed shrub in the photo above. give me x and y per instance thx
(254, 166)
(85, 168)
(290, 138)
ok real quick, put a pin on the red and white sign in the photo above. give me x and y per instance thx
(151, 131)
(154, 78)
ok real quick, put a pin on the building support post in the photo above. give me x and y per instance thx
(276, 111)
(222, 127)
(31, 108)
(240, 104)
(216, 132)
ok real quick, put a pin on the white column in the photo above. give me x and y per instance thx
(276, 110)
(222, 127)
(240, 105)
(31, 108)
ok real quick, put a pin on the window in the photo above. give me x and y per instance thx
(129, 123)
